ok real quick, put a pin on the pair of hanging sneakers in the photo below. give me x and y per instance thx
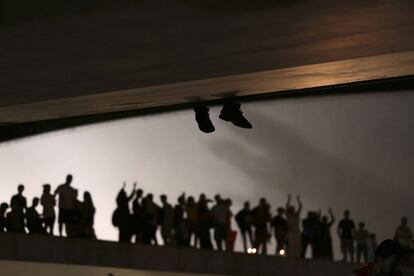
(231, 112)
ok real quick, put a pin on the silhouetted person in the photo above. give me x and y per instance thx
(371, 246)
(361, 237)
(192, 219)
(316, 242)
(346, 229)
(15, 220)
(325, 236)
(19, 200)
(261, 220)
(67, 202)
(204, 223)
(403, 233)
(244, 220)
(280, 228)
(151, 220)
(166, 220)
(48, 202)
(87, 217)
(74, 229)
(231, 234)
(310, 234)
(34, 222)
(180, 223)
(121, 217)
(220, 216)
(293, 236)
(3, 209)
(138, 216)
(388, 256)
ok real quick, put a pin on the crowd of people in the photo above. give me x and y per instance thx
(201, 223)
(75, 217)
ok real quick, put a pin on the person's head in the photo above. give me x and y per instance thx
(262, 202)
(290, 210)
(20, 189)
(35, 202)
(3, 207)
(404, 221)
(246, 205)
(163, 199)
(181, 199)
(388, 257)
(190, 200)
(310, 214)
(69, 179)
(122, 198)
(217, 198)
(324, 219)
(361, 225)
(87, 198)
(150, 197)
(202, 198)
(46, 188)
(347, 214)
(139, 193)
(280, 211)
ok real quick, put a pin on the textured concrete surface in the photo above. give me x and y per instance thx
(163, 42)
(110, 254)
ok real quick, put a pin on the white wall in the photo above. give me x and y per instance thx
(348, 151)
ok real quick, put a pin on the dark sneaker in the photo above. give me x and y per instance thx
(231, 112)
(203, 119)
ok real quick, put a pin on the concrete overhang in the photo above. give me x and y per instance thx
(162, 54)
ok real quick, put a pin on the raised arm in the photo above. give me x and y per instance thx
(56, 191)
(299, 205)
(288, 201)
(332, 221)
(133, 191)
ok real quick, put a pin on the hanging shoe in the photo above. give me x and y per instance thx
(231, 112)
(203, 119)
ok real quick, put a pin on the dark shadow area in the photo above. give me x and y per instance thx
(13, 12)
(244, 6)
(237, 6)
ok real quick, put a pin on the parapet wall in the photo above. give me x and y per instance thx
(111, 254)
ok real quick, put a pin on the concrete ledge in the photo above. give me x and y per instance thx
(111, 254)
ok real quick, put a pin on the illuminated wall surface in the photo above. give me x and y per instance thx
(342, 151)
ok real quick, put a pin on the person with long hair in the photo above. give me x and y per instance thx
(87, 217)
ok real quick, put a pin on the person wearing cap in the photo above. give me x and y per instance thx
(388, 257)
